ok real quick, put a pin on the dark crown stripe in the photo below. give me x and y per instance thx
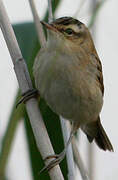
(66, 21)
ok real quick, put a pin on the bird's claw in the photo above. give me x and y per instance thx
(54, 162)
(52, 156)
(28, 95)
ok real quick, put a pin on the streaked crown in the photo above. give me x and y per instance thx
(69, 26)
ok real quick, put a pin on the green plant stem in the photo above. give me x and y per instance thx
(8, 138)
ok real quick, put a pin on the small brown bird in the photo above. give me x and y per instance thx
(68, 75)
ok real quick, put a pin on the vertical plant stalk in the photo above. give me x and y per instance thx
(79, 161)
(50, 15)
(65, 125)
(39, 130)
(38, 25)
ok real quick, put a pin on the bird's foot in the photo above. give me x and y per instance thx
(27, 95)
(54, 162)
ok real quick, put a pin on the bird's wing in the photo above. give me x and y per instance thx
(99, 71)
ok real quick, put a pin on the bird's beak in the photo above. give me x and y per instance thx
(48, 26)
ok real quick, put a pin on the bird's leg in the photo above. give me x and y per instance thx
(28, 95)
(58, 157)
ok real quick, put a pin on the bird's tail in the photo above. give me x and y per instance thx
(95, 131)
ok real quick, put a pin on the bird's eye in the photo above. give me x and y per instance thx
(69, 31)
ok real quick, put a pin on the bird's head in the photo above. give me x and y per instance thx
(70, 31)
